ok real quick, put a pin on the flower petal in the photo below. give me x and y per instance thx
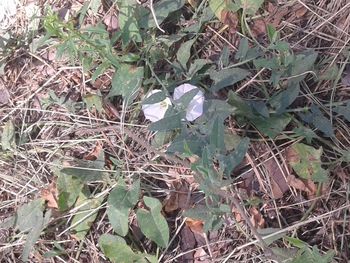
(155, 112)
(195, 107)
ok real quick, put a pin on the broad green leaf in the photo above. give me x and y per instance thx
(303, 63)
(316, 118)
(152, 223)
(126, 82)
(305, 254)
(28, 214)
(231, 161)
(224, 58)
(84, 217)
(306, 162)
(305, 132)
(250, 7)
(162, 10)
(344, 111)
(217, 135)
(272, 126)
(117, 250)
(128, 21)
(282, 100)
(220, 7)
(93, 101)
(31, 219)
(87, 171)
(268, 231)
(227, 77)
(197, 66)
(184, 52)
(155, 98)
(68, 188)
(8, 136)
(167, 123)
(120, 201)
(242, 49)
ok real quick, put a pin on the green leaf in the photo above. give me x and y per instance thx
(268, 231)
(154, 98)
(93, 101)
(318, 120)
(242, 49)
(152, 223)
(227, 77)
(120, 201)
(167, 123)
(84, 217)
(272, 126)
(117, 250)
(303, 63)
(68, 188)
(126, 82)
(344, 111)
(31, 219)
(231, 161)
(282, 100)
(250, 7)
(306, 162)
(128, 21)
(305, 132)
(217, 135)
(219, 7)
(8, 136)
(197, 66)
(184, 52)
(162, 9)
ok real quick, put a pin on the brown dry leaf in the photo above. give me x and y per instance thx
(258, 28)
(276, 14)
(300, 11)
(4, 96)
(278, 182)
(93, 155)
(256, 218)
(187, 242)
(307, 186)
(231, 19)
(237, 215)
(195, 225)
(50, 195)
(111, 21)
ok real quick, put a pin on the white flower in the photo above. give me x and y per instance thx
(195, 107)
(155, 112)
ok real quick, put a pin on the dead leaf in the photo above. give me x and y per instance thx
(50, 195)
(258, 28)
(178, 199)
(345, 80)
(195, 225)
(231, 19)
(111, 21)
(307, 186)
(300, 11)
(187, 242)
(256, 218)
(278, 182)
(4, 96)
(93, 155)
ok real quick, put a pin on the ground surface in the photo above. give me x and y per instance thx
(69, 136)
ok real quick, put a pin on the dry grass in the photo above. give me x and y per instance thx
(51, 134)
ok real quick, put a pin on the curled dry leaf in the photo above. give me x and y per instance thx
(93, 155)
(50, 195)
(307, 186)
(256, 218)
